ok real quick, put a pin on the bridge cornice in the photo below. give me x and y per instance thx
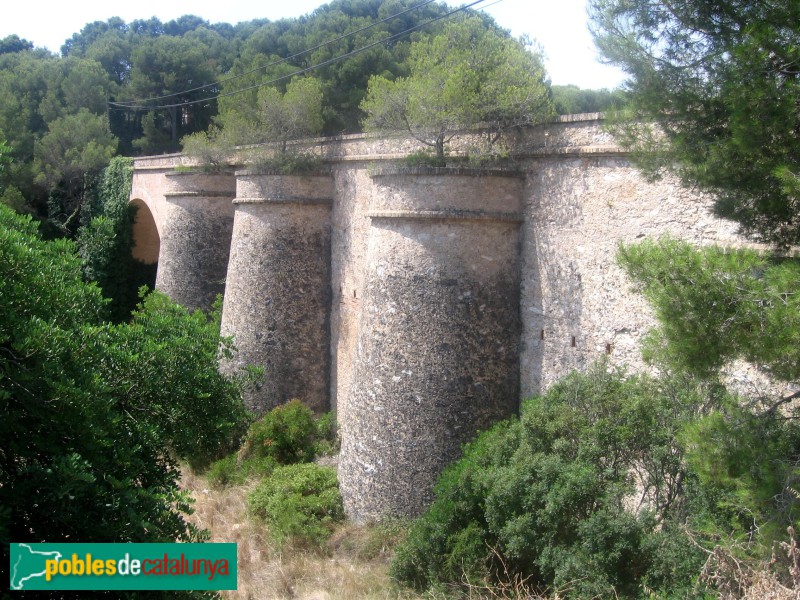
(579, 135)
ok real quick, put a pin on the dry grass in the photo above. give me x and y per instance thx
(735, 580)
(353, 566)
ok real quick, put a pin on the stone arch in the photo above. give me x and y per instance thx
(146, 238)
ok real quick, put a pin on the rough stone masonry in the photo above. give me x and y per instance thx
(421, 305)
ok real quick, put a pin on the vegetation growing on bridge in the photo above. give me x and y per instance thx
(467, 76)
(94, 412)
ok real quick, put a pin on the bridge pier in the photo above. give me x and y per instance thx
(196, 236)
(277, 300)
(437, 354)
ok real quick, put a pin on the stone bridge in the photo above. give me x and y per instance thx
(419, 304)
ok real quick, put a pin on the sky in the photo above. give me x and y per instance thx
(560, 27)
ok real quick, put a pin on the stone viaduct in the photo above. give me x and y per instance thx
(420, 304)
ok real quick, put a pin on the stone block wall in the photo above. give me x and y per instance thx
(422, 305)
(576, 302)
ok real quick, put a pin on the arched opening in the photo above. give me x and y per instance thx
(146, 243)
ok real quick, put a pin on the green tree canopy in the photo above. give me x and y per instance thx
(721, 81)
(24, 81)
(9, 195)
(112, 50)
(5, 158)
(171, 65)
(94, 415)
(321, 37)
(13, 43)
(51, 114)
(289, 116)
(277, 119)
(69, 156)
(468, 75)
(571, 100)
(75, 84)
(78, 43)
(715, 305)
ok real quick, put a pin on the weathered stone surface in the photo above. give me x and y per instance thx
(576, 303)
(196, 226)
(277, 301)
(350, 224)
(423, 271)
(437, 356)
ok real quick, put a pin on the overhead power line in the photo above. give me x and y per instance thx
(276, 62)
(388, 39)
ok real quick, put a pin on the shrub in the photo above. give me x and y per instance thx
(213, 149)
(287, 434)
(285, 163)
(423, 159)
(550, 497)
(299, 501)
(233, 471)
(225, 471)
(327, 440)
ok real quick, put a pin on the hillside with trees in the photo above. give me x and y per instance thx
(665, 485)
(140, 87)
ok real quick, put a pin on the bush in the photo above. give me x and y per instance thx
(327, 439)
(552, 498)
(95, 415)
(285, 163)
(287, 433)
(424, 159)
(213, 149)
(300, 502)
(225, 471)
(233, 471)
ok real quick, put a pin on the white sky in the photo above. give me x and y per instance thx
(560, 27)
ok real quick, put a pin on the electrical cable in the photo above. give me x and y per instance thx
(279, 61)
(389, 39)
